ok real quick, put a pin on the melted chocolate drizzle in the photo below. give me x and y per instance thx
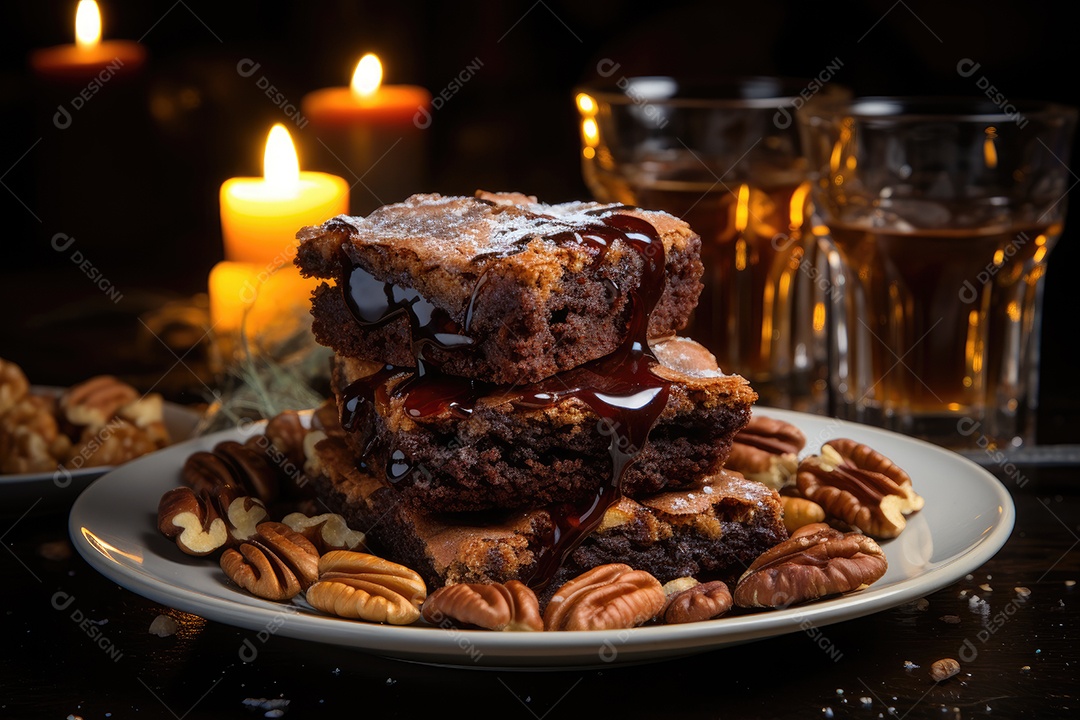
(620, 388)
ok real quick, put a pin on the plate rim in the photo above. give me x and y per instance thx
(644, 644)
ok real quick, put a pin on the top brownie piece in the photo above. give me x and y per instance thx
(498, 269)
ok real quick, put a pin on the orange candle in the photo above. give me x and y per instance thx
(89, 56)
(367, 101)
(374, 133)
(260, 216)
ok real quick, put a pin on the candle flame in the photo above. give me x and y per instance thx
(281, 166)
(368, 75)
(87, 24)
(591, 132)
(586, 104)
(742, 208)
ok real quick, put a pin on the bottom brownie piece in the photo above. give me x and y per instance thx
(712, 531)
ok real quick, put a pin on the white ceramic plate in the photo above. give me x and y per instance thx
(56, 490)
(968, 516)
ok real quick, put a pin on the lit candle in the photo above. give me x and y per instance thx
(373, 131)
(259, 221)
(260, 216)
(89, 56)
(367, 101)
(236, 286)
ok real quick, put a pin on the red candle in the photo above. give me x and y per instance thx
(373, 134)
(367, 101)
(89, 56)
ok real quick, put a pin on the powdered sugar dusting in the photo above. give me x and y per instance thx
(469, 226)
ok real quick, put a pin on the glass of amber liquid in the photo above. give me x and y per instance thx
(725, 157)
(941, 214)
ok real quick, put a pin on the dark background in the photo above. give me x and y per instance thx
(135, 178)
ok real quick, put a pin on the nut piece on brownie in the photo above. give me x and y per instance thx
(493, 270)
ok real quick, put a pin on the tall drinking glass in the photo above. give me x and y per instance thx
(943, 213)
(726, 158)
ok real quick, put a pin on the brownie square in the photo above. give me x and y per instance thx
(511, 278)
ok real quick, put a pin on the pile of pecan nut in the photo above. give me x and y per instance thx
(99, 422)
(859, 492)
(847, 484)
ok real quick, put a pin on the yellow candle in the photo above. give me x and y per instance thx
(232, 290)
(260, 216)
(236, 286)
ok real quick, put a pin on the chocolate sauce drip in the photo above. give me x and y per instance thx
(374, 302)
(620, 388)
(360, 393)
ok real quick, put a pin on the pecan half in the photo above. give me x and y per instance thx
(94, 402)
(800, 511)
(286, 431)
(192, 521)
(193, 518)
(860, 487)
(327, 532)
(231, 463)
(767, 450)
(120, 442)
(365, 587)
(203, 470)
(816, 561)
(865, 457)
(944, 669)
(608, 597)
(242, 513)
(277, 564)
(492, 606)
(251, 469)
(700, 601)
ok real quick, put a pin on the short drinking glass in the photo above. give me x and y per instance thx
(942, 213)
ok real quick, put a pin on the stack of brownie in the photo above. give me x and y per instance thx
(515, 401)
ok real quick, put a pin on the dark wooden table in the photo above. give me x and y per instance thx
(95, 657)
